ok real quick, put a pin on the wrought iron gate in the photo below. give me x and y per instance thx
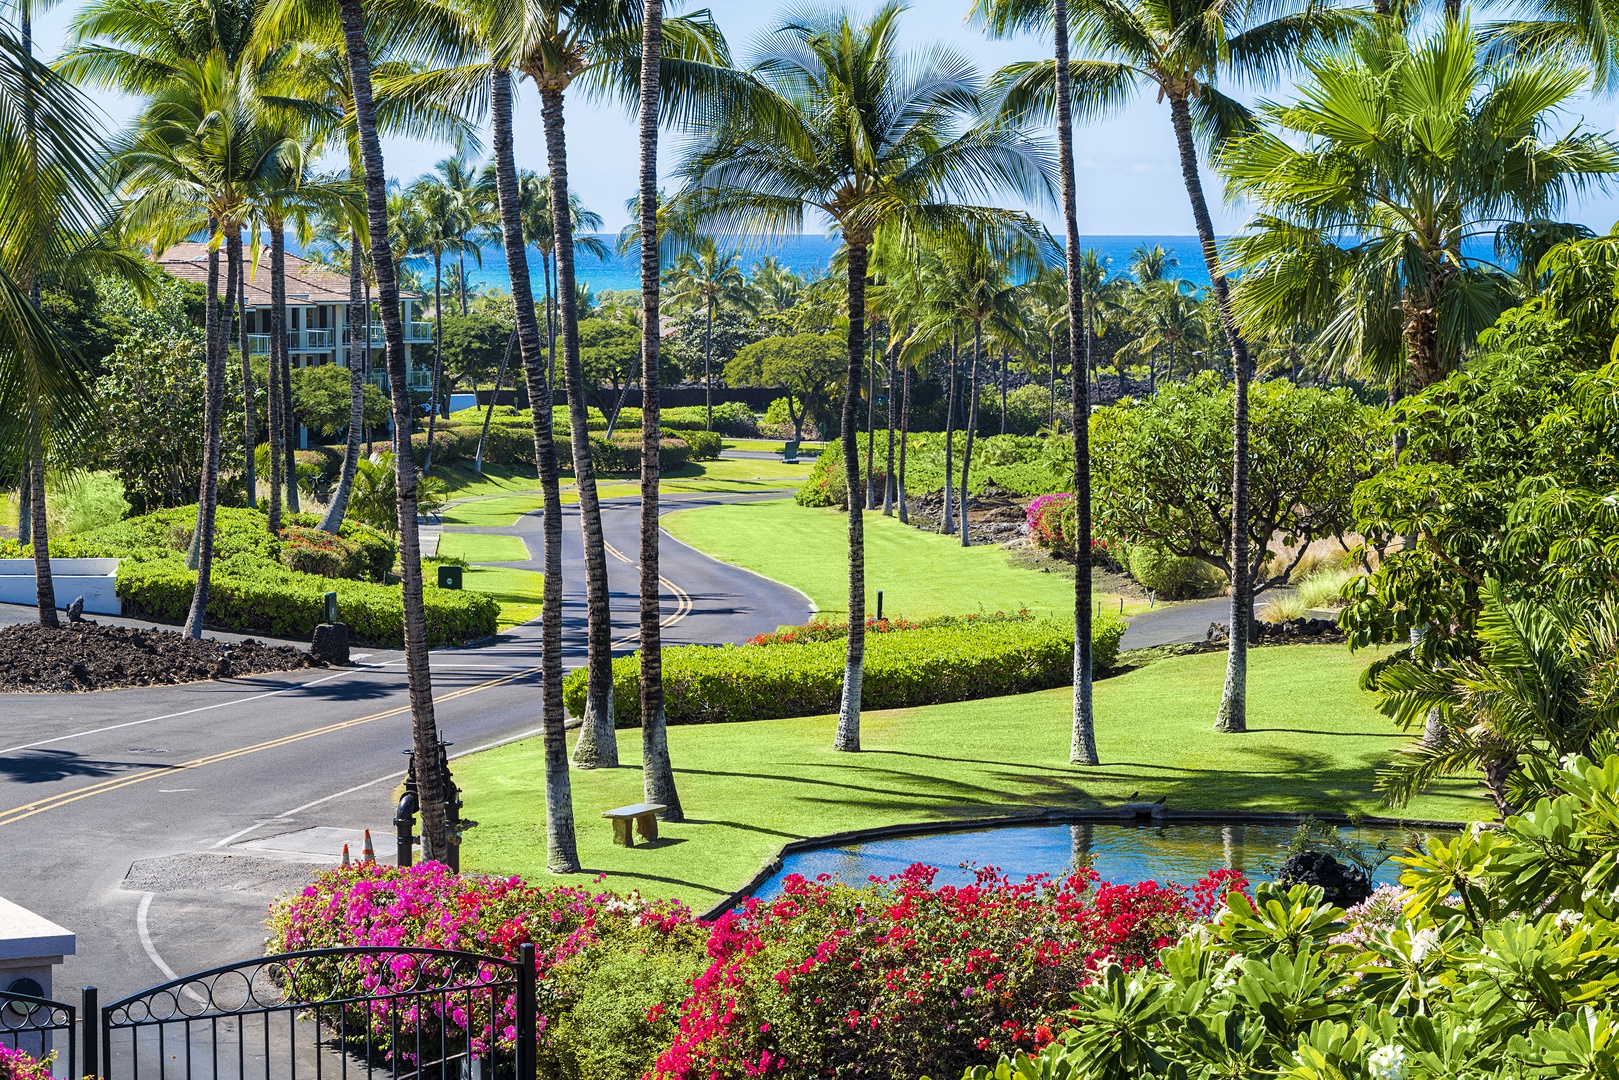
(322, 1014)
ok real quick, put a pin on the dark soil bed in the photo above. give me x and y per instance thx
(89, 656)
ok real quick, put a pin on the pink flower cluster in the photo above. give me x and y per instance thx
(18, 1065)
(1052, 523)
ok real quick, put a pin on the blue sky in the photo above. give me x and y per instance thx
(1129, 172)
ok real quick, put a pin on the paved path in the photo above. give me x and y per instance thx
(123, 813)
(1175, 624)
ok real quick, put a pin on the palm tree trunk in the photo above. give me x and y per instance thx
(1233, 714)
(597, 746)
(461, 258)
(339, 506)
(947, 512)
(708, 367)
(1001, 378)
(871, 427)
(854, 662)
(431, 784)
(44, 585)
(904, 442)
(657, 772)
(562, 856)
(972, 430)
(494, 395)
(208, 496)
(550, 327)
(1051, 414)
(1082, 747)
(278, 428)
(888, 478)
(438, 359)
(25, 502)
(279, 349)
(368, 357)
(250, 437)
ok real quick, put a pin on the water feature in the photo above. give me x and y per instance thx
(1119, 852)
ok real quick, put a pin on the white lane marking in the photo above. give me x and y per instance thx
(173, 790)
(238, 834)
(151, 949)
(173, 715)
(294, 812)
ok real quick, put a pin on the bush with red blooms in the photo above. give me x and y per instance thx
(19, 1065)
(892, 979)
(1053, 521)
(902, 979)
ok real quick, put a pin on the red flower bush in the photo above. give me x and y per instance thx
(896, 978)
(1053, 522)
(904, 979)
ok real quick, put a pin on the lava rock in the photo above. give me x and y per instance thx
(330, 644)
(1343, 886)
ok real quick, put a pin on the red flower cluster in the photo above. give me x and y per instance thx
(830, 979)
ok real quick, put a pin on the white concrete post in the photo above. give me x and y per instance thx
(30, 948)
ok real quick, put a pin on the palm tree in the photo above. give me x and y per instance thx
(701, 279)
(201, 147)
(471, 213)
(658, 778)
(1379, 256)
(836, 120)
(1179, 48)
(443, 232)
(1544, 689)
(431, 784)
(539, 230)
(556, 43)
(51, 215)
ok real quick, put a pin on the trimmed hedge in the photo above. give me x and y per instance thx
(927, 666)
(249, 596)
(1023, 465)
(250, 591)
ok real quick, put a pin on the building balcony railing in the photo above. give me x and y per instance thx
(304, 340)
(415, 333)
(258, 344)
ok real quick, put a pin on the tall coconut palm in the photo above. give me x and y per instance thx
(51, 212)
(838, 121)
(1003, 17)
(471, 213)
(658, 778)
(201, 146)
(597, 43)
(539, 230)
(431, 784)
(444, 229)
(701, 279)
(1180, 48)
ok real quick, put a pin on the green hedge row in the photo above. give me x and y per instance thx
(931, 666)
(1023, 464)
(250, 596)
(511, 442)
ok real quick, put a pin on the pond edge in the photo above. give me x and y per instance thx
(1129, 812)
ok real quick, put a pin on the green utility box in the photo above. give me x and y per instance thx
(449, 577)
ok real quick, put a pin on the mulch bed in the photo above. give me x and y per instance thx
(89, 656)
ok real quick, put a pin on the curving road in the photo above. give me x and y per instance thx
(157, 823)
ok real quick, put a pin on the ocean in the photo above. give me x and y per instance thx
(805, 254)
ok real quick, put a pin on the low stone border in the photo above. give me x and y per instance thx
(1129, 812)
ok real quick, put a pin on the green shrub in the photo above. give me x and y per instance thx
(730, 418)
(1172, 577)
(962, 662)
(705, 445)
(247, 595)
(1021, 464)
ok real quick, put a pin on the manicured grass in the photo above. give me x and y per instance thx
(1313, 745)
(735, 474)
(920, 573)
(483, 547)
(501, 511)
(518, 592)
(464, 483)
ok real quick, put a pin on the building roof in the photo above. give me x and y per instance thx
(307, 282)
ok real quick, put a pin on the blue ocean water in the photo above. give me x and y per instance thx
(810, 253)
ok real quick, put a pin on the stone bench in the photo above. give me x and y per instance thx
(644, 816)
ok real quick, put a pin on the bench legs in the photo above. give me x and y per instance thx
(645, 824)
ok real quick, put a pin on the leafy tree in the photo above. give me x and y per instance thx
(702, 279)
(320, 398)
(805, 366)
(474, 345)
(1157, 468)
(694, 340)
(611, 355)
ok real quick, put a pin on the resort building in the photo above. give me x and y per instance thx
(317, 314)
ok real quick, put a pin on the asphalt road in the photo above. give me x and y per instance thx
(124, 813)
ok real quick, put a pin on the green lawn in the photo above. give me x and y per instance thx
(463, 483)
(483, 548)
(920, 573)
(747, 788)
(518, 592)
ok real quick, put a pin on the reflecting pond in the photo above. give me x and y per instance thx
(1120, 852)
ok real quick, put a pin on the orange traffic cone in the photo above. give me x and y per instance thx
(368, 853)
(345, 855)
